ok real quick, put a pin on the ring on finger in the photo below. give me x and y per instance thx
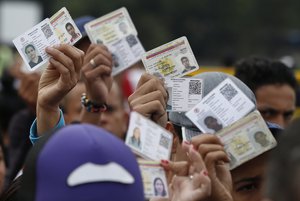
(93, 63)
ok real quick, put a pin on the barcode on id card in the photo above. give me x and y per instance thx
(228, 91)
(47, 31)
(195, 87)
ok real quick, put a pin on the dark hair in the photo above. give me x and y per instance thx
(184, 58)
(68, 24)
(259, 71)
(208, 118)
(284, 166)
(28, 46)
(164, 193)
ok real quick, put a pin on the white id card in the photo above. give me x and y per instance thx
(184, 93)
(117, 31)
(65, 28)
(154, 179)
(221, 107)
(246, 139)
(174, 59)
(32, 44)
(148, 139)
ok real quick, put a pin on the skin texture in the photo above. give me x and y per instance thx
(150, 98)
(276, 103)
(57, 80)
(2, 169)
(249, 179)
(31, 54)
(116, 114)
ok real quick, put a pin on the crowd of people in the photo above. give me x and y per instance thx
(63, 139)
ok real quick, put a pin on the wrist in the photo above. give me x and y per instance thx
(91, 106)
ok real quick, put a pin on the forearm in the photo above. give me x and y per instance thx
(47, 118)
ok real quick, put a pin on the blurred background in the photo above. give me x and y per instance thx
(220, 32)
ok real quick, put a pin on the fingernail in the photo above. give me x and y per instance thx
(49, 48)
(165, 162)
(205, 173)
(56, 46)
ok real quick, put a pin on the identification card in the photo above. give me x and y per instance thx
(154, 179)
(32, 44)
(117, 31)
(174, 59)
(246, 139)
(221, 107)
(65, 28)
(184, 93)
(148, 139)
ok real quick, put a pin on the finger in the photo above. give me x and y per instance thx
(197, 162)
(95, 50)
(75, 55)
(100, 59)
(146, 77)
(205, 139)
(202, 185)
(152, 96)
(179, 168)
(148, 87)
(65, 73)
(212, 159)
(58, 55)
(150, 109)
(98, 72)
(203, 149)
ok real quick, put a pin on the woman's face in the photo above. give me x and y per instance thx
(159, 186)
(31, 53)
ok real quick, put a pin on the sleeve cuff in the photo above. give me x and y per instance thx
(33, 129)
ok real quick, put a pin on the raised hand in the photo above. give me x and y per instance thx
(150, 99)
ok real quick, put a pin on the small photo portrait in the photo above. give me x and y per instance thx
(115, 60)
(135, 139)
(164, 141)
(187, 67)
(159, 187)
(131, 40)
(70, 28)
(123, 27)
(211, 122)
(32, 55)
(261, 138)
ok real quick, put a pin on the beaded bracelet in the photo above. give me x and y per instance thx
(90, 106)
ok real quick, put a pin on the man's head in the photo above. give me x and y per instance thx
(212, 123)
(70, 29)
(115, 118)
(210, 81)
(274, 86)
(185, 61)
(81, 162)
(249, 179)
(261, 138)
